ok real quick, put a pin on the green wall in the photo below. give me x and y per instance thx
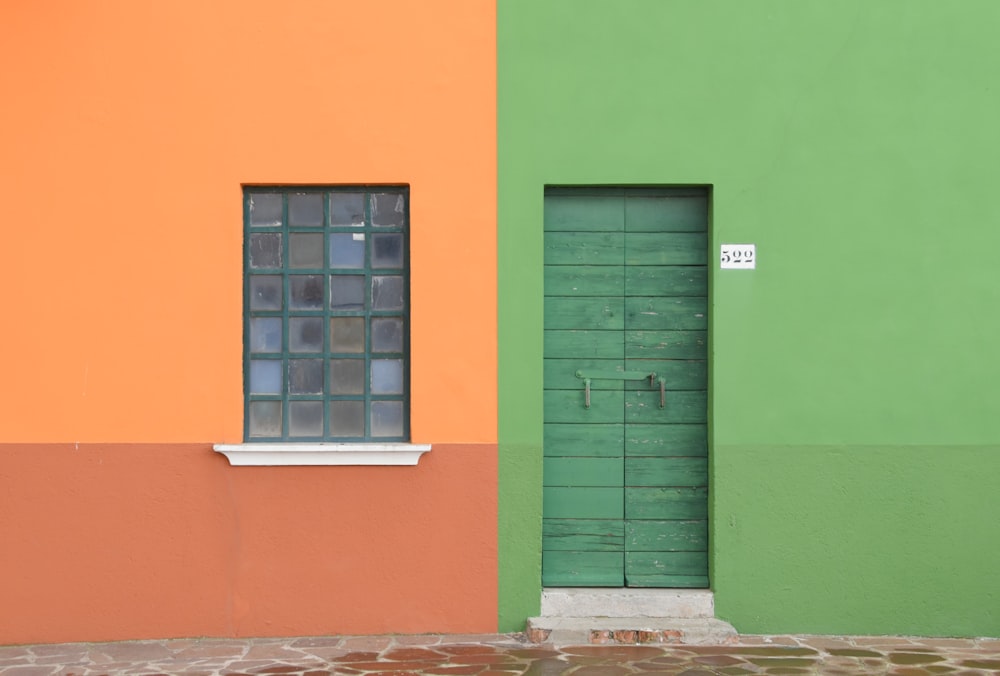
(854, 415)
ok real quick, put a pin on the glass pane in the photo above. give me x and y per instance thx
(265, 250)
(347, 292)
(388, 210)
(265, 292)
(347, 376)
(347, 250)
(387, 250)
(265, 209)
(347, 209)
(305, 334)
(347, 418)
(347, 334)
(305, 250)
(265, 418)
(387, 376)
(387, 418)
(265, 376)
(387, 293)
(305, 418)
(305, 209)
(305, 376)
(387, 334)
(307, 292)
(265, 334)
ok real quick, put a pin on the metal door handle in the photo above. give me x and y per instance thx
(587, 376)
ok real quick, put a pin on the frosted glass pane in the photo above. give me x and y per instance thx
(347, 292)
(347, 418)
(387, 293)
(265, 334)
(347, 209)
(305, 209)
(265, 209)
(265, 376)
(305, 418)
(387, 418)
(388, 210)
(305, 334)
(307, 292)
(305, 250)
(347, 250)
(387, 376)
(265, 250)
(347, 376)
(347, 334)
(265, 292)
(387, 250)
(305, 376)
(265, 418)
(387, 334)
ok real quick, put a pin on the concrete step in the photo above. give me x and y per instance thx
(627, 630)
(627, 602)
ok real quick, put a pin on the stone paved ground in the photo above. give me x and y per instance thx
(504, 655)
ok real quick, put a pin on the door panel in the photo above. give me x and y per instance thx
(626, 309)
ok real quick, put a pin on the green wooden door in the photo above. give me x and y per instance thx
(625, 478)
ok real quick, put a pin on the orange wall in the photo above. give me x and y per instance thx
(127, 131)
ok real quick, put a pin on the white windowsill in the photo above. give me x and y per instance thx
(322, 454)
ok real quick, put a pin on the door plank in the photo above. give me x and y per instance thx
(684, 406)
(584, 248)
(666, 314)
(680, 280)
(584, 313)
(666, 440)
(577, 280)
(666, 536)
(584, 343)
(666, 344)
(688, 213)
(687, 374)
(583, 440)
(576, 471)
(589, 502)
(665, 248)
(665, 503)
(665, 563)
(560, 374)
(669, 581)
(568, 406)
(592, 535)
(647, 471)
(582, 569)
(580, 213)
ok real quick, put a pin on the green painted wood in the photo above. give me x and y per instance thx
(643, 406)
(665, 563)
(666, 248)
(586, 502)
(584, 313)
(687, 374)
(592, 535)
(666, 213)
(560, 374)
(582, 213)
(583, 440)
(587, 248)
(666, 314)
(584, 343)
(567, 406)
(666, 536)
(648, 280)
(596, 280)
(666, 440)
(670, 581)
(570, 471)
(666, 344)
(582, 569)
(666, 471)
(665, 503)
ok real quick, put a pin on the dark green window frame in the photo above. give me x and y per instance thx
(326, 313)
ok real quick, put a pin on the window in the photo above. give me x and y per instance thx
(326, 314)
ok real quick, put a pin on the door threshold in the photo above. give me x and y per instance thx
(631, 602)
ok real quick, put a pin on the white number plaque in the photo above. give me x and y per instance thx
(738, 256)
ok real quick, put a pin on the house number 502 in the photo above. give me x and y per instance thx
(738, 256)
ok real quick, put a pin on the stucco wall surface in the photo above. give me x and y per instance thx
(853, 433)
